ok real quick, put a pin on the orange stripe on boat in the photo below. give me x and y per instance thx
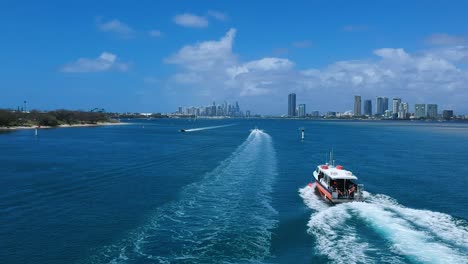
(323, 191)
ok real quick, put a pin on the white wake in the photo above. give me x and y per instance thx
(206, 128)
(226, 217)
(398, 233)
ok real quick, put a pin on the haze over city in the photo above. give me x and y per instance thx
(149, 57)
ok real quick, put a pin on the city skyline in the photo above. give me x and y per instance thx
(220, 110)
(397, 110)
(151, 57)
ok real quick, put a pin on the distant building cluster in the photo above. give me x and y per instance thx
(384, 109)
(23, 108)
(398, 109)
(220, 110)
(301, 112)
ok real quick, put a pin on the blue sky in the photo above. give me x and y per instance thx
(153, 56)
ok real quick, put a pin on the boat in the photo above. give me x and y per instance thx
(256, 130)
(182, 130)
(337, 185)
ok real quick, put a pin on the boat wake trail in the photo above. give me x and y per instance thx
(382, 231)
(225, 217)
(206, 128)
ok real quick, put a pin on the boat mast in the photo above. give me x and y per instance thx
(332, 162)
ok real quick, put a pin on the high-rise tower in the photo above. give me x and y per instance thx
(379, 105)
(420, 110)
(302, 110)
(292, 104)
(368, 107)
(432, 111)
(357, 105)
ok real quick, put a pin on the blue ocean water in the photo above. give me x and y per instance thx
(146, 193)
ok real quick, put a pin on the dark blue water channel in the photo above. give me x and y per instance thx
(146, 193)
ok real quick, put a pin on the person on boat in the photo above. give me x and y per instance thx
(351, 190)
(336, 189)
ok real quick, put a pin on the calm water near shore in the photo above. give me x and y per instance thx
(147, 193)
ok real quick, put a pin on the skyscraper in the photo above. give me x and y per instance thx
(403, 111)
(379, 105)
(385, 104)
(420, 110)
(302, 110)
(213, 109)
(368, 107)
(432, 111)
(292, 104)
(447, 114)
(395, 106)
(357, 105)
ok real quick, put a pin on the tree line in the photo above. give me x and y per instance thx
(9, 118)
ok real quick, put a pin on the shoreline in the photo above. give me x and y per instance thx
(64, 126)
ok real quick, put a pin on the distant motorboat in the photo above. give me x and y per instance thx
(256, 130)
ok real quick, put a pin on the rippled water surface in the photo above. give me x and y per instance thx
(224, 193)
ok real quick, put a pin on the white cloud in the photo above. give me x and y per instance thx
(105, 62)
(218, 15)
(191, 20)
(446, 39)
(453, 54)
(212, 68)
(115, 26)
(265, 64)
(270, 64)
(396, 55)
(420, 77)
(205, 56)
(155, 33)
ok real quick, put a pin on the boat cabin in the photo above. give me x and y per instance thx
(338, 182)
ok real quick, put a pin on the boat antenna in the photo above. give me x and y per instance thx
(332, 161)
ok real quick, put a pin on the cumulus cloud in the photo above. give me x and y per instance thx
(212, 68)
(446, 39)
(422, 77)
(206, 56)
(217, 15)
(105, 62)
(265, 64)
(191, 20)
(115, 26)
